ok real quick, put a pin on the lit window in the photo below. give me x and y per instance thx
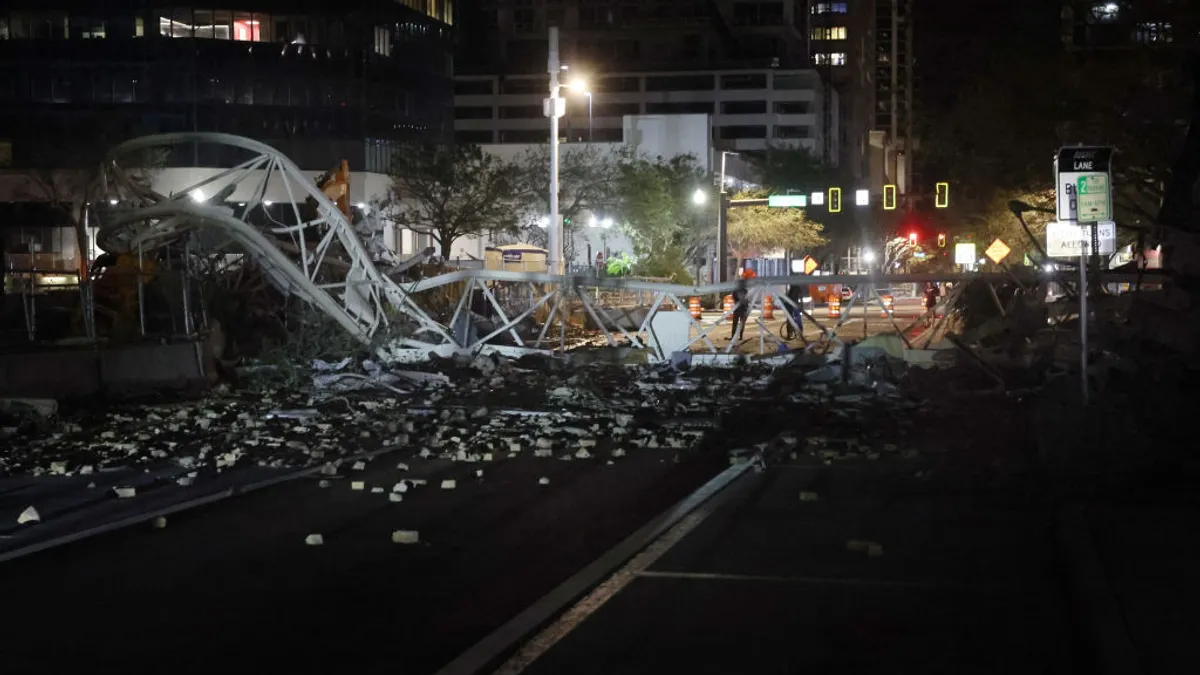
(1106, 11)
(830, 58)
(829, 33)
(1153, 32)
(829, 8)
(383, 41)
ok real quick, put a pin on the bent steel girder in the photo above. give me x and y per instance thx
(299, 257)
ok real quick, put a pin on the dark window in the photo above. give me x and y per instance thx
(473, 112)
(525, 85)
(520, 112)
(525, 135)
(474, 136)
(744, 81)
(792, 82)
(615, 109)
(679, 83)
(758, 14)
(792, 107)
(743, 107)
(473, 88)
(736, 132)
(613, 85)
(682, 108)
(786, 131)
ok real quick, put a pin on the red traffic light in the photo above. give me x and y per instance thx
(912, 238)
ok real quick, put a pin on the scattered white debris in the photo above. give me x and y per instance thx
(402, 466)
(406, 537)
(58, 468)
(359, 466)
(449, 484)
(376, 490)
(358, 485)
(395, 497)
(809, 497)
(323, 484)
(125, 492)
(29, 515)
(543, 481)
(314, 540)
(160, 523)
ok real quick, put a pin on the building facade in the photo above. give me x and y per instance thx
(319, 83)
(509, 36)
(749, 109)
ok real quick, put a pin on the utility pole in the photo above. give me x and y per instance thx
(553, 109)
(722, 225)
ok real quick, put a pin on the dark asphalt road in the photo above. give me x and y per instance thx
(233, 587)
(965, 583)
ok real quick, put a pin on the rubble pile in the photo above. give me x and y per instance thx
(472, 411)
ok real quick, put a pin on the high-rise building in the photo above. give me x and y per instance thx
(1126, 24)
(509, 36)
(317, 82)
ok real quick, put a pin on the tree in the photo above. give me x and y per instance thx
(67, 177)
(755, 231)
(781, 168)
(451, 191)
(670, 232)
(587, 183)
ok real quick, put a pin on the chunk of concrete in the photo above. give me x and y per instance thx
(29, 515)
(449, 484)
(314, 540)
(406, 537)
(358, 485)
(125, 492)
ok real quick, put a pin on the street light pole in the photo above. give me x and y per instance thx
(554, 229)
(722, 220)
(589, 95)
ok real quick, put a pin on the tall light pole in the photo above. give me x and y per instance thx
(554, 107)
(722, 219)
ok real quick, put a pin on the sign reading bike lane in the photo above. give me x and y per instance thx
(1090, 167)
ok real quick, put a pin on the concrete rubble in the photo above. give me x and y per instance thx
(471, 411)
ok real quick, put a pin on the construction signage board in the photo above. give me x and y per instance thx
(1069, 240)
(964, 254)
(787, 201)
(1093, 166)
(998, 251)
(810, 265)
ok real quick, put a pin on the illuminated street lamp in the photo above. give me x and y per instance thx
(579, 86)
(868, 256)
(699, 196)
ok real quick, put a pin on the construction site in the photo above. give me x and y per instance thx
(242, 423)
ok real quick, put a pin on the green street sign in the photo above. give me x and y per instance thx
(787, 201)
(1095, 198)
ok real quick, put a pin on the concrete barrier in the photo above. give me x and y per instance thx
(83, 371)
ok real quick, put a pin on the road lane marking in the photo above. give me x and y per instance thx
(829, 581)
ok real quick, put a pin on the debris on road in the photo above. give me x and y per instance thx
(406, 537)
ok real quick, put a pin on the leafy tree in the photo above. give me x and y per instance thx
(588, 177)
(669, 230)
(781, 168)
(452, 191)
(757, 230)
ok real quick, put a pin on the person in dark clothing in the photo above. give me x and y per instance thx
(795, 293)
(932, 293)
(741, 305)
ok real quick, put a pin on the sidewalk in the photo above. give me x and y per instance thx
(883, 573)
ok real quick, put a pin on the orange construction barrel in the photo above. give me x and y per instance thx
(727, 304)
(768, 308)
(835, 306)
(694, 307)
(888, 303)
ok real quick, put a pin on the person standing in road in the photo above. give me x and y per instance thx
(932, 293)
(741, 304)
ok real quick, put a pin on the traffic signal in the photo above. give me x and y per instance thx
(942, 240)
(835, 200)
(912, 238)
(943, 195)
(889, 197)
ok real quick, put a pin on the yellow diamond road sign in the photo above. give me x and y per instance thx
(997, 251)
